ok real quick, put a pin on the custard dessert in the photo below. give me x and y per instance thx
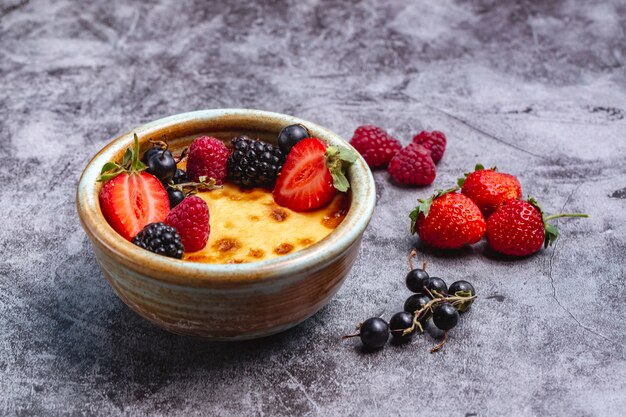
(241, 201)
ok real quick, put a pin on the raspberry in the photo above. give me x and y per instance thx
(207, 158)
(413, 165)
(434, 141)
(375, 145)
(191, 219)
(160, 239)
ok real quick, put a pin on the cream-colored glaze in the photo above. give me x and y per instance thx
(248, 226)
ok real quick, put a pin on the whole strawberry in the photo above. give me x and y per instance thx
(448, 220)
(207, 158)
(375, 145)
(191, 219)
(434, 141)
(413, 165)
(519, 228)
(490, 189)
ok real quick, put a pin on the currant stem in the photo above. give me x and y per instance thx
(161, 144)
(437, 299)
(412, 255)
(440, 345)
(182, 155)
(556, 216)
(350, 335)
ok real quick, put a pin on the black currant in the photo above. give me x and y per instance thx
(436, 284)
(175, 196)
(415, 280)
(416, 302)
(464, 286)
(445, 317)
(461, 286)
(150, 153)
(374, 333)
(180, 176)
(291, 135)
(162, 165)
(400, 322)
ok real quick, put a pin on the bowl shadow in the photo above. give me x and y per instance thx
(83, 324)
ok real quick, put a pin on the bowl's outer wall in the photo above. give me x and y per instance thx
(222, 314)
(225, 302)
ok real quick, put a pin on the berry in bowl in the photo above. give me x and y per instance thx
(226, 224)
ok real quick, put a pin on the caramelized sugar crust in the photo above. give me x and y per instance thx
(248, 226)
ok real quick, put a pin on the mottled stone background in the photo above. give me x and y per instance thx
(535, 87)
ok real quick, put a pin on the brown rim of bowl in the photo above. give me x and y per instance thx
(176, 271)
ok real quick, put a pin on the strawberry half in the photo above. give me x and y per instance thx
(131, 198)
(311, 175)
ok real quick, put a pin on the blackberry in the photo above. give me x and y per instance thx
(254, 163)
(160, 239)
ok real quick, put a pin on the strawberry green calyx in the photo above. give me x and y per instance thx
(130, 164)
(551, 231)
(337, 160)
(479, 167)
(424, 206)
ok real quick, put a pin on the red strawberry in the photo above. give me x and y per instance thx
(519, 228)
(434, 141)
(130, 199)
(207, 158)
(311, 175)
(490, 189)
(413, 165)
(191, 219)
(375, 145)
(448, 220)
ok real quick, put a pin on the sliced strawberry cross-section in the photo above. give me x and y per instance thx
(311, 175)
(130, 197)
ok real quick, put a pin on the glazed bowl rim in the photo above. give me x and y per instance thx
(350, 230)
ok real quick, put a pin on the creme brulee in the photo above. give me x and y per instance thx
(248, 226)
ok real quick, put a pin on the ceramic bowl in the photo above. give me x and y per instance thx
(229, 301)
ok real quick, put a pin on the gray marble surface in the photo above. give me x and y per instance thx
(537, 88)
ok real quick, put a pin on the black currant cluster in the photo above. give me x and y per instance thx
(162, 164)
(432, 300)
